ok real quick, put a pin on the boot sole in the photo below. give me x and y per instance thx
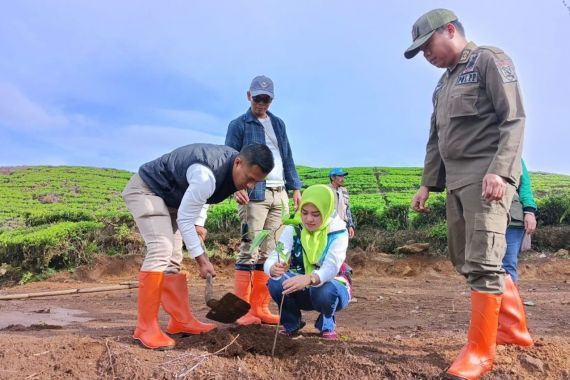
(184, 334)
(161, 348)
(515, 344)
(448, 376)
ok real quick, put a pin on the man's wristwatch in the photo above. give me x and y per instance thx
(314, 280)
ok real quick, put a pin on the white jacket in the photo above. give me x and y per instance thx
(334, 258)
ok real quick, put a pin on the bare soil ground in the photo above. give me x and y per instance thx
(408, 322)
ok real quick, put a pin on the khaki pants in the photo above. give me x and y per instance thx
(157, 225)
(476, 236)
(262, 215)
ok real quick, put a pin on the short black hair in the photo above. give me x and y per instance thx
(458, 25)
(258, 154)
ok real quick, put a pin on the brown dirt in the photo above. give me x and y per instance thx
(409, 322)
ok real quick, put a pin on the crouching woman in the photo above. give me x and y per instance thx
(307, 267)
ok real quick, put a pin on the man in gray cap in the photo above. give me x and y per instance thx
(263, 207)
(474, 150)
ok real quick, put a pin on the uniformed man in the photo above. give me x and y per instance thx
(168, 198)
(474, 150)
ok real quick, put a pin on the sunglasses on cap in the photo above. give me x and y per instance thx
(266, 99)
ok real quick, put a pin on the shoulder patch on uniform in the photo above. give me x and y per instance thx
(472, 77)
(495, 50)
(464, 55)
(506, 69)
(470, 66)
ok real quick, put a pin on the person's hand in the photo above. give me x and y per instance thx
(205, 266)
(241, 197)
(202, 232)
(529, 223)
(493, 188)
(278, 269)
(296, 199)
(420, 199)
(296, 283)
(350, 232)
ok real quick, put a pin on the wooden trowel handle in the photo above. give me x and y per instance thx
(209, 292)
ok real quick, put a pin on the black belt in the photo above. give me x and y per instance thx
(276, 188)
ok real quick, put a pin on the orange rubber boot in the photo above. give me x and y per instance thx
(148, 330)
(260, 299)
(478, 354)
(243, 290)
(176, 302)
(512, 318)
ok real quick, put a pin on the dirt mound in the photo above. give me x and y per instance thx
(371, 262)
(255, 339)
(551, 267)
(107, 266)
(34, 327)
(50, 198)
(363, 262)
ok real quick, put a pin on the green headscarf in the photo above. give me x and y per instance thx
(315, 242)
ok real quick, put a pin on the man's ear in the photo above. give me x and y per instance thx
(451, 30)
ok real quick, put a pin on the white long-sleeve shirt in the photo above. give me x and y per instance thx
(193, 209)
(335, 256)
(275, 178)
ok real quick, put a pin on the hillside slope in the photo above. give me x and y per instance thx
(60, 216)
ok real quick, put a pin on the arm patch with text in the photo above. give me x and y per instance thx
(506, 69)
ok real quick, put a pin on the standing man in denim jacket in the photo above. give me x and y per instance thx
(263, 207)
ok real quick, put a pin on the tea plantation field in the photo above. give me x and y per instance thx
(60, 216)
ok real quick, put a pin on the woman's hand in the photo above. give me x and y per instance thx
(296, 283)
(278, 269)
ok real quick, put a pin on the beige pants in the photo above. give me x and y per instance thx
(157, 225)
(262, 215)
(476, 236)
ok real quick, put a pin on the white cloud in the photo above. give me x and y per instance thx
(124, 147)
(195, 120)
(19, 112)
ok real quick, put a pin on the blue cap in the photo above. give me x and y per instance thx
(337, 172)
(261, 85)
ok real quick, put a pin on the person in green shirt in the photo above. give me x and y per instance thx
(523, 221)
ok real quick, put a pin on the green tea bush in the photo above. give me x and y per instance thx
(395, 218)
(39, 217)
(223, 217)
(554, 210)
(365, 216)
(57, 245)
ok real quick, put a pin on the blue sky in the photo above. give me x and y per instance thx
(118, 83)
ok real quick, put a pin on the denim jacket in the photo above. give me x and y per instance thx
(246, 130)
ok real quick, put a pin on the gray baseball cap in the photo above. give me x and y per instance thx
(261, 85)
(425, 26)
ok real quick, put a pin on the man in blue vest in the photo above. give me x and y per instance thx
(168, 198)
